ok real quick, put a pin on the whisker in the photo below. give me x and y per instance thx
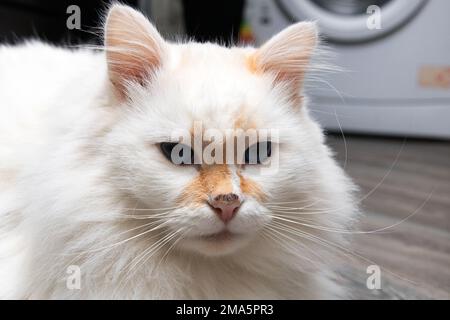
(331, 245)
(152, 209)
(277, 237)
(288, 202)
(146, 254)
(180, 237)
(325, 228)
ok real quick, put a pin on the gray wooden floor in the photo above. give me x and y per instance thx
(399, 178)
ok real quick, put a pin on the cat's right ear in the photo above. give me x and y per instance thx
(134, 48)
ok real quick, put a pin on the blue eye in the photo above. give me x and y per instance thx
(258, 152)
(177, 153)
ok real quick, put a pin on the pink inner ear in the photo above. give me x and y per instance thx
(287, 57)
(134, 48)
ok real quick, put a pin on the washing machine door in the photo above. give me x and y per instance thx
(349, 20)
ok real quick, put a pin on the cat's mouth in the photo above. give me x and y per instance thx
(224, 235)
(217, 244)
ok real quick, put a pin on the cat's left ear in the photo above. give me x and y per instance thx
(134, 48)
(287, 55)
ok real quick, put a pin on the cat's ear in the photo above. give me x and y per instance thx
(287, 55)
(134, 48)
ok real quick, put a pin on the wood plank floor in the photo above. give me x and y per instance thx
(399, 178)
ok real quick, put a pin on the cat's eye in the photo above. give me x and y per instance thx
(177, 153)
(258, 153)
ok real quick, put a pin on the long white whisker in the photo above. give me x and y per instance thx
(330, 245)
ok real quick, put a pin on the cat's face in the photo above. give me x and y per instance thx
(188, 91)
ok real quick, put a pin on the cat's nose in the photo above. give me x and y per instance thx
(226, 206)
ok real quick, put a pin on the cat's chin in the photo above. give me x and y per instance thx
(218, 244)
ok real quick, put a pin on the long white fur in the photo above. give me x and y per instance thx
(80, 176)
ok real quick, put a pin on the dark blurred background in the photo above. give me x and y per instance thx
(46, 19)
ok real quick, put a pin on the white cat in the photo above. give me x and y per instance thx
(85, 180)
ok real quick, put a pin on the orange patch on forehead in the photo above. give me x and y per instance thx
(212, 180)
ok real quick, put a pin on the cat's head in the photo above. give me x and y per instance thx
(172, 91)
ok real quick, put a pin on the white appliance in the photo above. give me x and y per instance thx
(397, 73)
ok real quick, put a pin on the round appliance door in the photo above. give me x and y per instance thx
(348, 20)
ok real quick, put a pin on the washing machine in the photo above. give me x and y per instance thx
(394, 56)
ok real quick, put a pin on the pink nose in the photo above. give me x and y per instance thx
(226, 206)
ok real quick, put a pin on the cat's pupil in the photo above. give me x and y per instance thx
(258, 152)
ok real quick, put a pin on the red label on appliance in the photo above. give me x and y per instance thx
(435, 77)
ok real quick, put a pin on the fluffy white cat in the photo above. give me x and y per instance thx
(86, 185)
